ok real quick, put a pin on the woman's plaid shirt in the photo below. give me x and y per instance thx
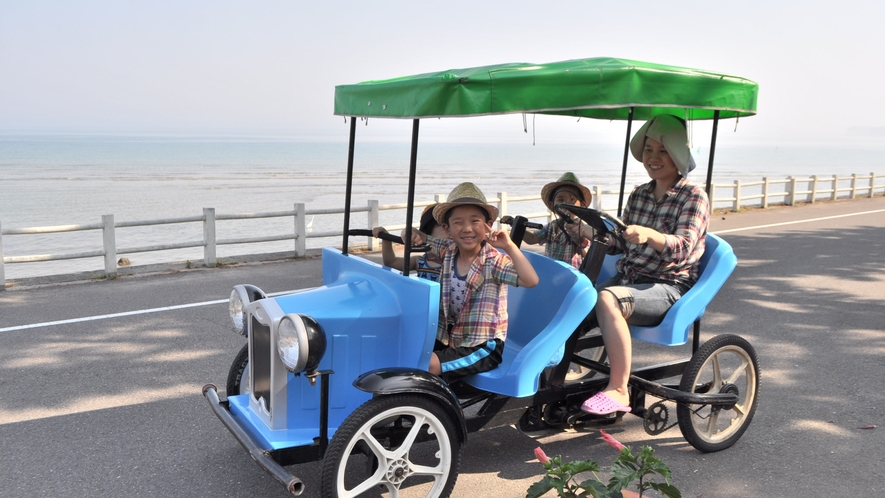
(682, 216)
(484, 314)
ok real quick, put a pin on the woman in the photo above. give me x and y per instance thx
(666, 222)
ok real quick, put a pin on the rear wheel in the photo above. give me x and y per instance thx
(724, 364)
(577, 372)
(238, 376)
(405, 445)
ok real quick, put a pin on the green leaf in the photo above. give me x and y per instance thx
(666, 490)
(584, 466)
(595, 488)
(540, 488)
(623, 473)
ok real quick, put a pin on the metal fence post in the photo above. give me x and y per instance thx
(300, 230)
(2, 271)
(872, 189)
(813, 188)
(502, 205)
(110, 245)
(835, 188)
(765, 186)
(373, 221)
(209, 237)
(737, 196)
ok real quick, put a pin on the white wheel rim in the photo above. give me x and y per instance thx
(727, 365)
(245, 387)
(578, 372)
(394, 466)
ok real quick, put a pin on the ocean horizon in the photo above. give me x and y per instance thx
(50, 180)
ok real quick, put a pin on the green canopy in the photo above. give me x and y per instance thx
(603, 88)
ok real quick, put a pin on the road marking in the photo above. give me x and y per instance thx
(719, 232)
(124, 313)
(219, 301)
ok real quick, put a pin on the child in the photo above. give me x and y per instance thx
(428, 264)
(474, 279)
(565, 242)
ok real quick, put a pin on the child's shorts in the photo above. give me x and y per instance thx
(466, 360)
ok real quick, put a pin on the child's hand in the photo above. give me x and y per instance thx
(417, 239)
(378, 231)
(499, 239)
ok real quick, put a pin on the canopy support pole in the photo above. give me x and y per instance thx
(624, 168)
(413, 162)
(349, 183)
(712, 153)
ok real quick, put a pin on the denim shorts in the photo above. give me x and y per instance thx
(645, 302)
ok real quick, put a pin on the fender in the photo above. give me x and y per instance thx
(410, 380)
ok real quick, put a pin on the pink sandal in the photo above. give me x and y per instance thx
(602, 404)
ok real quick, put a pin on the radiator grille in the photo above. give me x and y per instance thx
(261, 358)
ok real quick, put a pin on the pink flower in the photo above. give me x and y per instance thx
(608, 438)
(540, 455)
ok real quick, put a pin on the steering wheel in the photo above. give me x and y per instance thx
(387, 236)
(602, 222)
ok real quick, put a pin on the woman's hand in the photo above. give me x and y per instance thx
(378, 231)
(638, 234)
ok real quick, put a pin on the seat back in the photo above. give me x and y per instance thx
(716, 265)
(540, 320)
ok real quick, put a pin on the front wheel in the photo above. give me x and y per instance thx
(404, 444)
(725, 364)
(238, 376)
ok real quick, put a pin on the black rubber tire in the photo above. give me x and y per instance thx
(379, 418)
(708, 429)
(237, 370)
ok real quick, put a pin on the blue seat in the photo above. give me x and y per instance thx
(716, 265)
(540, 320)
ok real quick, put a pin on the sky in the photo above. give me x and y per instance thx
(269, 68)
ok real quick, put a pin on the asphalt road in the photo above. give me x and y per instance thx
(112, 406)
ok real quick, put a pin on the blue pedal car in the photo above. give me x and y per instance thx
(338, 373)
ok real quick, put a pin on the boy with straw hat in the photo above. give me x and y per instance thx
(474, 280)
(564, 241)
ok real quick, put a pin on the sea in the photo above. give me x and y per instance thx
(51, 180)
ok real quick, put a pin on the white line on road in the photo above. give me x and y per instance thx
(219, 301)
(125, 313)
(720, 232)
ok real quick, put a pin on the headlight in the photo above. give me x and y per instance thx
(239, 297)
(301, 343)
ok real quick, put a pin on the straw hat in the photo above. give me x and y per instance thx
(569, 181)
(464, 194)
(670, 131)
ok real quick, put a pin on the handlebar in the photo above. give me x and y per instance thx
(387, 236)
(528, 224)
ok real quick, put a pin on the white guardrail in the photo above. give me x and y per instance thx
(759, 194)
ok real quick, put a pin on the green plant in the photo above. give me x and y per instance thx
(626, 469)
